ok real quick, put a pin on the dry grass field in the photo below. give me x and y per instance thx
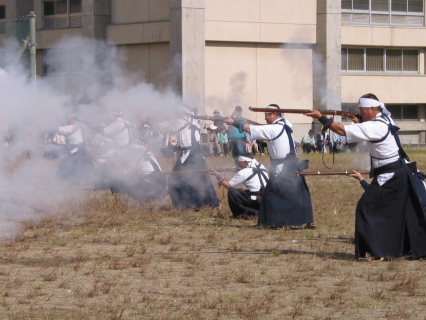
(105, 256)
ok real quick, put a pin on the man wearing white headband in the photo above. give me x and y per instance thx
(286, 200)
(389, 222)
(253, 175)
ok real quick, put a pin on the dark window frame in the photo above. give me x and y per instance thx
(61, 13)
(358, 12)
(351, 56)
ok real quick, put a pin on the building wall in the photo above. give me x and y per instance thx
(256, 51)
(267, 21)
(137, 11)
(261, 52)
(390, 88)
(256, 75)
(147, 62)
(360, 35)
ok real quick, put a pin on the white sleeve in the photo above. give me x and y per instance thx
(238, 179)
(366, 131)
(264, 132)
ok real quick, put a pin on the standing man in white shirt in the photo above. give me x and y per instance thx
(390, 222)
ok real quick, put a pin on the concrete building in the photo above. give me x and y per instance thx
(218, 54)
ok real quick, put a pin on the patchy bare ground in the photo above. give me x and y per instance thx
(108, 257)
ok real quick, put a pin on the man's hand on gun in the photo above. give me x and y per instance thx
(220, 181)
(356, 175)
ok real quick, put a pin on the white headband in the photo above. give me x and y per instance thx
(274, 108)
(242, 159)
(367, 103)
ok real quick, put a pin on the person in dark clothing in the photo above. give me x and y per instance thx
(323, 141)
(390, 222)
(189, 190)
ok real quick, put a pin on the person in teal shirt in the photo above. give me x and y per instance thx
(237, 137)
(223, 141)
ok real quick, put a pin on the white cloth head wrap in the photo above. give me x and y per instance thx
(367, 103)
(242, 159)
(274, 107)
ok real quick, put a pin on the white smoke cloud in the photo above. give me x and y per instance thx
(85, 79)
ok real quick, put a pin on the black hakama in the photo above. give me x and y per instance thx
(390, 222)
(192, 190)
(241, 203)
(76, 169)
(286, 200)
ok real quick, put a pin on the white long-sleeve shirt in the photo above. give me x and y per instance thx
(254, 184)
(278, 148)
(385, 151)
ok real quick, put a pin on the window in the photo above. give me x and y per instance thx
(62, 14)
(404, 112)
(380, 60)
(384, 12)
(62, 61)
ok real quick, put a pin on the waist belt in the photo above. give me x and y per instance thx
(387, 167)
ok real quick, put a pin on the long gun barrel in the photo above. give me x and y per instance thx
(195, 171)
(303, 111)
(331, 173)
(213, 118)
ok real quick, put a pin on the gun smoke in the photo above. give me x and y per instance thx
(32, 108)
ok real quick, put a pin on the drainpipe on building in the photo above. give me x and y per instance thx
(33, 46)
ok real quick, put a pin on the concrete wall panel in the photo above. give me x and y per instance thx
(285, 77)
(410, 37)
(265, 11)
(147, 62)
(288, 12)
(383, 36)
(251, 75)
(48, 38)
(159, 10)
(395, 89)
(287, 33)
(129, 11)
(232, 31)
(138, 33)
(133, 11)
(231, 77)
(233, 10)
